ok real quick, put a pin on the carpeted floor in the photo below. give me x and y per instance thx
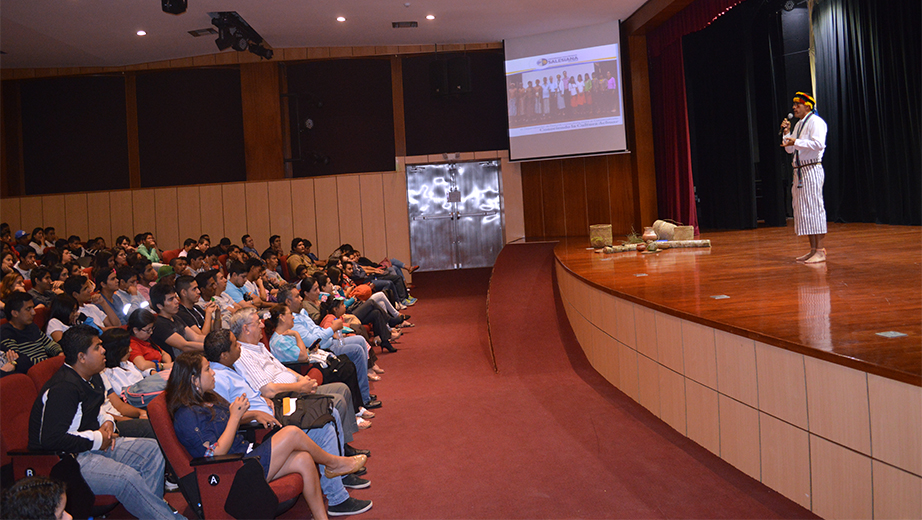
(544, 437)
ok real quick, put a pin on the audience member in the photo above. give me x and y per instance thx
(144, 355)
(6, 263)
(26, 263)
(298, 256)
(200, 414)
(148, 248)
(42, 290)
(267, 373)
(38, 241)
(128, 298)
(51, 236)
(67, 417)
(222, 350)
(21, 245)
(199, 319)
(63, 315)
(352, 347)
(23, 336)
(120, 374)
(91, 304)
(36, 498)
(170, 333)
(187, 245)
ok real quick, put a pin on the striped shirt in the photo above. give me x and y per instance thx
(30, 342)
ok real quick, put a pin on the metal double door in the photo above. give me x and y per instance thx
(456, 218)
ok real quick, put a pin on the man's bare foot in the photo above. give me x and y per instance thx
(806, 256)
(817, 258)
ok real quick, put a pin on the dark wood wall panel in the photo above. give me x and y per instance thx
(563, 197)
(598, 200)
(621, 194)
(573, 175)
(552, 199)
(259, 90)
(531, 199)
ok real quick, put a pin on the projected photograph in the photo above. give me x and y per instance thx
(566, 91)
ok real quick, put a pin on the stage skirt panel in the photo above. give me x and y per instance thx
(809, 210)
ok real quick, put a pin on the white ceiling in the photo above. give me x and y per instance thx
(102, 33)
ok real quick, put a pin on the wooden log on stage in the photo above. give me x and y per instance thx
(670, 244)
(666, 244)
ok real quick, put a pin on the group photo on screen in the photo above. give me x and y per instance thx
(561, 94)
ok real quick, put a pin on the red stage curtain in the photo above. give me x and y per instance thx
(674, 185)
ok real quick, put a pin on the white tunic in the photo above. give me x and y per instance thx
(808, 148)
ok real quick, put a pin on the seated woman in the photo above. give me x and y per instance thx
(345, 287)
(287, 346)
(144, 354)
(365, 314)
(11, 283)
(63, 315)
(206, 425)
(331, 310)
(118, 375)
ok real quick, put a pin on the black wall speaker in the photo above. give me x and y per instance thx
(174, 6)
(459, 75)
(450, 76)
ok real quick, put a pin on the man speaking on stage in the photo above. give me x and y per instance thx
(807, 144)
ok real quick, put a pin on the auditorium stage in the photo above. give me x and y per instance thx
(748, 284)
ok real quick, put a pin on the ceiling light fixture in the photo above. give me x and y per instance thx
(340, 18)
(430, 17)
(142, 33)
(233, 31)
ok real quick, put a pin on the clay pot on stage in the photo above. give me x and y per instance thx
(648, 234)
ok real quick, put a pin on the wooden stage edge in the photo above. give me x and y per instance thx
(747, 283)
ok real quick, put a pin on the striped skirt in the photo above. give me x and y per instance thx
(809, 210)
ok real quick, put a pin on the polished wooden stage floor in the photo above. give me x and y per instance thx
(871, 284)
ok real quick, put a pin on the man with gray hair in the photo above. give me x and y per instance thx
(223, 350)
(270, 376)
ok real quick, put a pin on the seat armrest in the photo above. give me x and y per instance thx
(217, 459)
(34, 453)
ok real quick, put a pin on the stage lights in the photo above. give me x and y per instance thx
(234, 32)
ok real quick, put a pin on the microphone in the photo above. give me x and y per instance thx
(789, 117)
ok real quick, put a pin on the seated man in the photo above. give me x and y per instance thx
(127, 298)
(199, 319)
(21, 245)
(275, 245)
(42, 287)
(26, 264)
(148, 248)
(222, 349)
(254, 285)
(271, 377)
(353, 347)
(170, 333)
(196, 259)
(249, 246)
(76, 249)
(92, 305)
(66, 417)
(23, 336)
(187, 246)
(298, 256)
(51, 236)
(237, 276)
